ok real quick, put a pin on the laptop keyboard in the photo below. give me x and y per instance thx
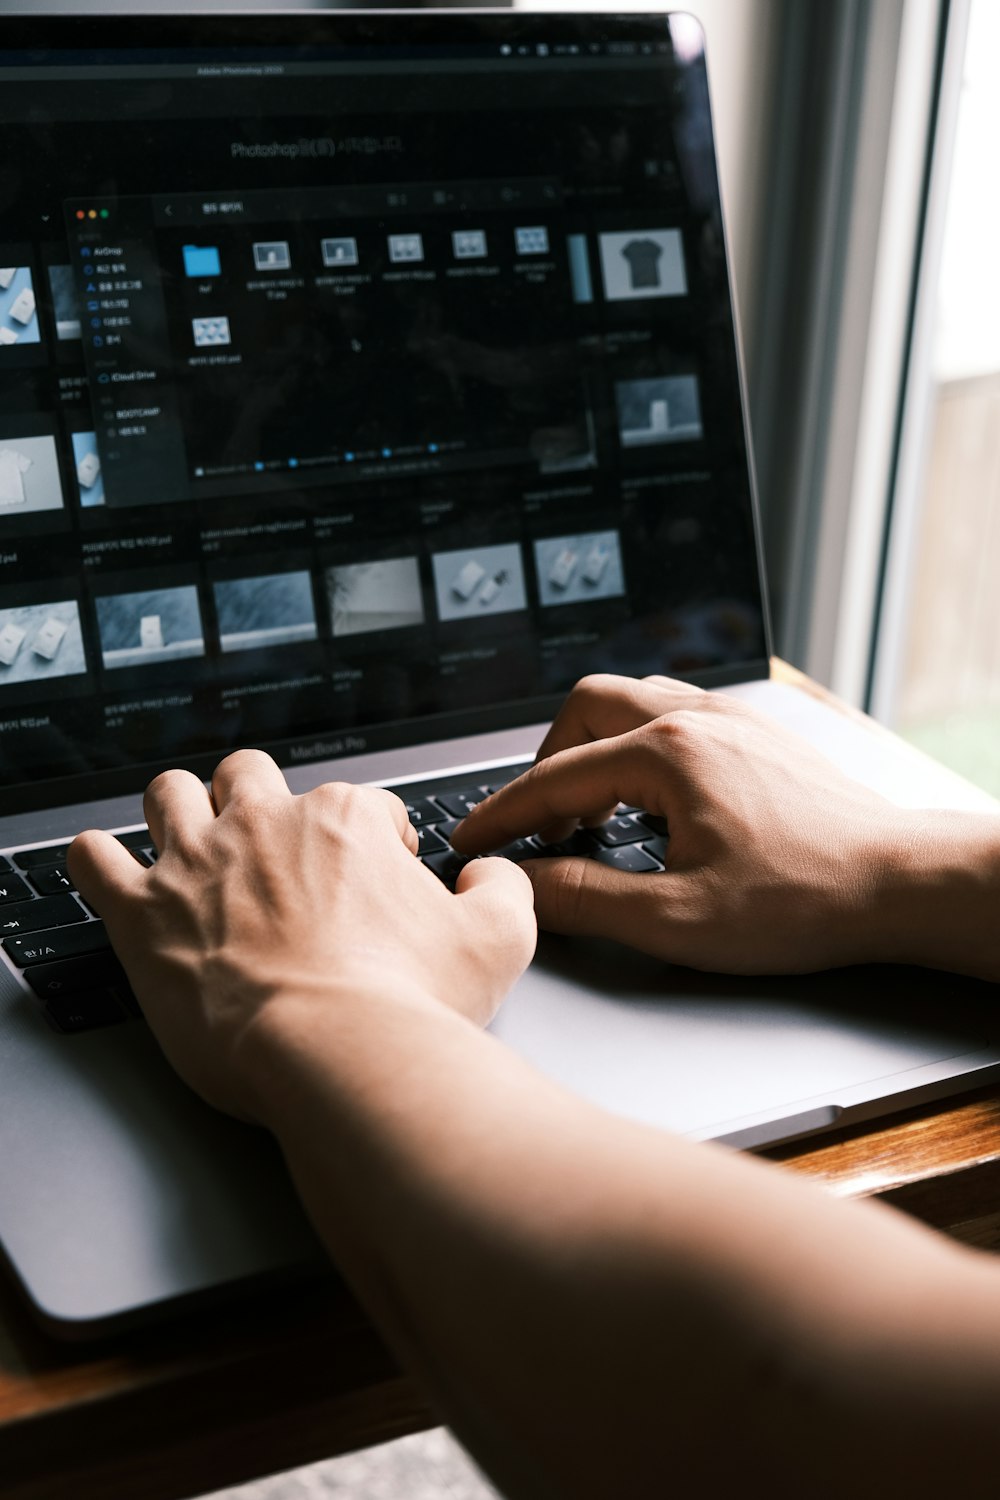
(62, 951)
(60, 947)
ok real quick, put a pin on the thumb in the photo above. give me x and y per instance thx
(580, 896)
(497, 896)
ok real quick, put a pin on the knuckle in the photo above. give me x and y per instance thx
(332, 793)
(394, 803)
(673, 738)
(672, 729)
(243, 760)
(594, 685)
(164, 781)
(334, 806)
(343, 803)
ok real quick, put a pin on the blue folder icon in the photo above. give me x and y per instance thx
(202, 260)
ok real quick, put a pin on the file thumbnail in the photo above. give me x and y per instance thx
(577, 569)
(39, 641)
(643, 263)
(274, 610)
(667, 410)
(87, 466)
(18, 309)
(29, 476)
(372, 596)
(478, 581)
(151, 625)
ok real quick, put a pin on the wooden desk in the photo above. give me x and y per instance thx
(215, 1399)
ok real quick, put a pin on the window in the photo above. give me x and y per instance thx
(937, 677)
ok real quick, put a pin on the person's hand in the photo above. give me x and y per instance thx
(260, 899)
(776, 861)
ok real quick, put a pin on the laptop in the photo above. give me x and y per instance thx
(365, 380)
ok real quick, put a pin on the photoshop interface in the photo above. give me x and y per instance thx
(321, 421)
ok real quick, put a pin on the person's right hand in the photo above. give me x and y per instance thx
(777, 862)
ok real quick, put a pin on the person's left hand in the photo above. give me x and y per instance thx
(264, 903)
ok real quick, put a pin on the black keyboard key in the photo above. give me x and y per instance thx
(462, 801)
(13, 888)
(657, 848)
(51, 879)
(35, 916)
(429, 841)
(138, 838)
(580, 842)
(62, 942)
(620, 830)
(5, 863)
(421, 810)
(84, 1012)
(446, 866)
(73, 976)
(627, 857)
(33, 859)
(655, 822)
(123, 991)
(522, 849)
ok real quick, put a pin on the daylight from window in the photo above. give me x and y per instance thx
(948, 698)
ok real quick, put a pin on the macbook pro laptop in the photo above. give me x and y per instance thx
(365, 380)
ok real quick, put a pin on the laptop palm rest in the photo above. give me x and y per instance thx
(161, 1191)
(749, 1061)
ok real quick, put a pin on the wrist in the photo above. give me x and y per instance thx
(935, 898)
(340, 1025)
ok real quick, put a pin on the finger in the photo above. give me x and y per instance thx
(103, 871)
(497, 897)
(572, 784)
(372, 812)
(674, 685)
(602, 705)
(580, 896)
(398, 815)
(247, 776)
(176, 802)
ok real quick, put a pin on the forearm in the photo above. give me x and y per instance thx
(584, 1298)
(938, 902)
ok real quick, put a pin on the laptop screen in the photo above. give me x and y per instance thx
(363, 380)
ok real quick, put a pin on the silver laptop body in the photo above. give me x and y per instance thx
(368, 379)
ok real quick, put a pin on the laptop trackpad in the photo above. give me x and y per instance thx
(707, 1054)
